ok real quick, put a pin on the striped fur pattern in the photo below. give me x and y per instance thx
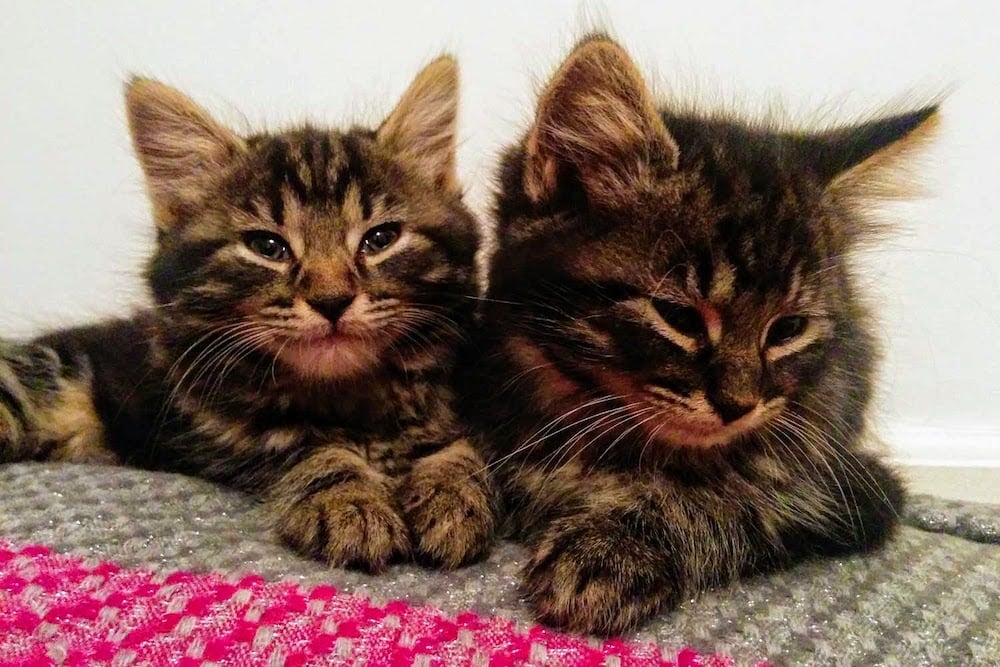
(311, 287)
(677, 355)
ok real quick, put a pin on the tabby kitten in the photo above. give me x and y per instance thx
(675, 359)
(310, 288)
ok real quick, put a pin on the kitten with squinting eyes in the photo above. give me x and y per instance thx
(310, 288)
(676, 358)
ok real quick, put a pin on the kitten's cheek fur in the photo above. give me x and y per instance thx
(587, 576)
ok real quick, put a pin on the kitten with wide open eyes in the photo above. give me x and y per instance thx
(675, 357)
(310, 290)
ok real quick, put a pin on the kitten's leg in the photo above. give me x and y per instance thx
(639, 544)
(450, 507)
(334, 506)
(867, 498)
(606, 564)
(47, 409)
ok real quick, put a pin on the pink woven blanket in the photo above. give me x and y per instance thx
(62, 610)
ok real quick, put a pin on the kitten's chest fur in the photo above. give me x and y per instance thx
(388, 420)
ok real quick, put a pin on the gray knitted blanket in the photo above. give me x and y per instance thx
(931, 598)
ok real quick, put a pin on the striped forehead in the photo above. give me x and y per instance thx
(745, 256)
(720, 285)
(751, 254)
(314, 169)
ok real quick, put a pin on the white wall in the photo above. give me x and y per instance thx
(75, 225)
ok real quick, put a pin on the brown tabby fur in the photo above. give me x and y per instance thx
(675, 360)
(317, 378)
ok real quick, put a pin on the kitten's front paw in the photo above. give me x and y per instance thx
(450, 514)
(349, 525)
(595, 577)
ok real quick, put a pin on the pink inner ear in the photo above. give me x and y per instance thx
(597, 115)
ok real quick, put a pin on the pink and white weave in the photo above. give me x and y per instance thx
(63, 610)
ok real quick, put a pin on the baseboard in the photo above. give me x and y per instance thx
(944, 446)
(976, 485)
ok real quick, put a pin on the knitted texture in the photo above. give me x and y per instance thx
(927, 599)
(65, 610)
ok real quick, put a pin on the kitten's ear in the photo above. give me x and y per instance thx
(422, 128)
(865, 159)
(596, 118)
(181, 148)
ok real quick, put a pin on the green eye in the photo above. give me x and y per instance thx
(269, 246)
(786, 329)
(379, 238)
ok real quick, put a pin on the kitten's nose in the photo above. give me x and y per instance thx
(730, 411)
(331, 307)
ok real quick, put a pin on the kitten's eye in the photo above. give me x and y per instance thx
(618, 291)
(379, 238)
(683, 319)
(269, 246)
(785, 329)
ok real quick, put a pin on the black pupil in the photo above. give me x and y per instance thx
(381, 237)
(786, 329)
(685, 319)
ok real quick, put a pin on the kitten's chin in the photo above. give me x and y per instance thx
(675, 435)
(330, 357)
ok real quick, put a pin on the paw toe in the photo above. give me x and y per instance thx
(450, 528)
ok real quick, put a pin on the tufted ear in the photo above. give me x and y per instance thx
(864, 159)
(596, 119)
(422, 128)
(181, 148)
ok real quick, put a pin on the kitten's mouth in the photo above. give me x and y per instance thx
(326, 340)
(329, 354)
